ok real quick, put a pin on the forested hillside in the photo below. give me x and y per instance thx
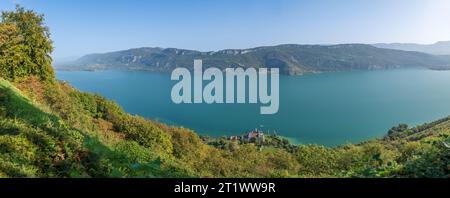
(291, 59)
(50, 129)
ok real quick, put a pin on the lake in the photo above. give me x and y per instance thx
(328, 108)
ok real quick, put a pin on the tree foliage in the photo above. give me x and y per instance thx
(25, 45)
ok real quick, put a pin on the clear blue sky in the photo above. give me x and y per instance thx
(85, 26)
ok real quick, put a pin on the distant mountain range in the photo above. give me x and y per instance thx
(439, 48)
(292, 59)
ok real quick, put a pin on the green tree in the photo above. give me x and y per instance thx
(12, 52)
(30, 48)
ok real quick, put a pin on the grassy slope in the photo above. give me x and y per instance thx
(36, 143)
(49, 129)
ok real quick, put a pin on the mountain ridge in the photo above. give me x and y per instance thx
(438, 48)
(292, 59)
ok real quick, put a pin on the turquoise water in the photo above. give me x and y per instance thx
(329, 108)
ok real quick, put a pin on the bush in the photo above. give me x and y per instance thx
(134, 152)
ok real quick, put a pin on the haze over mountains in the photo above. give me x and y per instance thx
(292, 59)
(438, 48)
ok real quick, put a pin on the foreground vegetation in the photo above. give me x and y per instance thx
(50, 129)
